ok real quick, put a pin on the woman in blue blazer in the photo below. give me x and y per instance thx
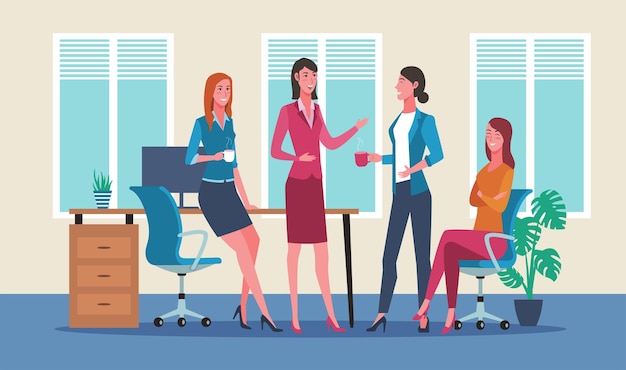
(411, 133)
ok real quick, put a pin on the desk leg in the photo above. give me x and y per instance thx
(348, 248)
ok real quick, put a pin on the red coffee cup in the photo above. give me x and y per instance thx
(361, 159)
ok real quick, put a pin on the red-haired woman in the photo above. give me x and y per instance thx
(490, 195)
(222, 196)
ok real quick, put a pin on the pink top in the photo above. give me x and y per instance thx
(305, 139)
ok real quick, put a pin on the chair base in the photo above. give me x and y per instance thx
(481, 314)
(181, 310)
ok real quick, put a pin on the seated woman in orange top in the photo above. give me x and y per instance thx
(490, 195)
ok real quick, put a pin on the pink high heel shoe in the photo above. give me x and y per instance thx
(418, 317)
(336, 329)
(446, 329)
(297, 331)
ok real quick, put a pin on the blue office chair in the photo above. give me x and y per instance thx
(163, 247)
(482, 268)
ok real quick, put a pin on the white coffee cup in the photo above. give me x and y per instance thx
(229, 155)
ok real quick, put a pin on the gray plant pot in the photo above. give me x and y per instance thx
(102, 198)
(528, 311)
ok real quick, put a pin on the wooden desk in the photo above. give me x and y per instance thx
(345, 212)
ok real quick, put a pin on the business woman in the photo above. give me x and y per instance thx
(304, 196)
(411, 133)
(490, 195)
(222, 196)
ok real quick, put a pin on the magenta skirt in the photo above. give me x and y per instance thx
(304, 204)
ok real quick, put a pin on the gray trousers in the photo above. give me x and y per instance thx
(419, 206)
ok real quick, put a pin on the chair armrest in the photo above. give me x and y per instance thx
(205, 236)
(490, 250)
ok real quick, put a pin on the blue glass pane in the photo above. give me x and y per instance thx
(559, 146)
(84, 140)
(142, 111)
(349, 186)
(506, 99)
(279, 94)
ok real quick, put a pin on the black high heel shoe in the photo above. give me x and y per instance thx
(268, 322)
(238, 312)
(425, 329)
(383, 320)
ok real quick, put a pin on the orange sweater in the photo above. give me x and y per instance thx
(491, 183)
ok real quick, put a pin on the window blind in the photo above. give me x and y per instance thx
(142, 59)
(84, 59)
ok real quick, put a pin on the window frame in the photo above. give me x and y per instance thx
(321, 92)
(113, 79)
(530, 80)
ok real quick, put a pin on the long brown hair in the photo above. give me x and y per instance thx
(209, 90)
(503, 126)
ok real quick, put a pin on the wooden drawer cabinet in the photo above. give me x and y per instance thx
(104, 287)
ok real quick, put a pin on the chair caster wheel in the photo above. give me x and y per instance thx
(205, 322)
(182, 322)
(480, 324)
(158, 322)
(504, 325)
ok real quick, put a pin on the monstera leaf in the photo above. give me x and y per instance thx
(549, 211)
(548, 263)
(526, 233)
(511, 278)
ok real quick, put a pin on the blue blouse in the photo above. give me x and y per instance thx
(214, 141)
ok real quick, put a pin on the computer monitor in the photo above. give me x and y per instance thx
(165, 166)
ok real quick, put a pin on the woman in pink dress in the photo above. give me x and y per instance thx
(304, 196)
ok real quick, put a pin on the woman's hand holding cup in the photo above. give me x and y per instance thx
(218, 156)
(373, 157)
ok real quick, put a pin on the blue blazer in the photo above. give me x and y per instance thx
(423, 134)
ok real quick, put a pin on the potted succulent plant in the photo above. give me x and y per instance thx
(102, 189)
(548, 212)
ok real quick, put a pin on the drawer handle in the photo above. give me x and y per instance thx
(103, 276)
(104, 247)
(104, 304)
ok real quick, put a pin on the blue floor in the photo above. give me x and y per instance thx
(574, 332)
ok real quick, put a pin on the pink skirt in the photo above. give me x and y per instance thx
(306, 217)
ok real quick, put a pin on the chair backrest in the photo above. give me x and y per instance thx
(508, 220)
(164, 224)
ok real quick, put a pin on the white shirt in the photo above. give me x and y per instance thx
(401, 135)
(302, 108)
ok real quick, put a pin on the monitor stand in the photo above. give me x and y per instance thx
(181, 204)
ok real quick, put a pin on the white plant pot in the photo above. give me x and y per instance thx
(102, 198)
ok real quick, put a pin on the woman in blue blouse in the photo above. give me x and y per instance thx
(411, 133)
(222, 196)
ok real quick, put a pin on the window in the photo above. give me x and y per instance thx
(541, 84)
(112, 94)
(348, 88)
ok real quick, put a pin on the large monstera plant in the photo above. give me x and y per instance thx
(548, 212)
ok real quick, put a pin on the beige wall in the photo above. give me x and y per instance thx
(226, 36)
